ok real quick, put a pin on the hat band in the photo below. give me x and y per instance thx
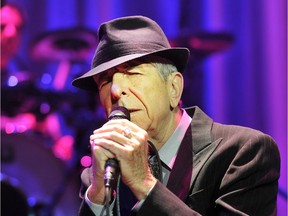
(105, 54)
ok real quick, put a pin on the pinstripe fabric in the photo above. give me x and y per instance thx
(235, 172)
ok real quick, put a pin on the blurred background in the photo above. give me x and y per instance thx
(237, 74)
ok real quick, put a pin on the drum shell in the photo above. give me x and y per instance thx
(44, 179)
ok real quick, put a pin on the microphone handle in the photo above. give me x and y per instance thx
(112, 167)
(111, 172)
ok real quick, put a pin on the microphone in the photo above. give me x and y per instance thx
(111, 165)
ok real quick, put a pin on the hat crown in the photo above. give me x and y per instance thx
(126, 36)
(129, 38)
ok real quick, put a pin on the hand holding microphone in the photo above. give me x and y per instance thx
(128, 143)
(112, 166)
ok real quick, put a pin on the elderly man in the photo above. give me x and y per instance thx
(206, 168)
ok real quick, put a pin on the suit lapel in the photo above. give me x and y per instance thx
(202, 143)
(201, 157)
(194, 151)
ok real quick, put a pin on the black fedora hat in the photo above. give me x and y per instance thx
(129, 38)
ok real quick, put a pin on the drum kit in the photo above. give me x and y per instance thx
(44, 132)
(42, 180)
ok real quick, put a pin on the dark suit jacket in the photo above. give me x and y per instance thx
(235, 171)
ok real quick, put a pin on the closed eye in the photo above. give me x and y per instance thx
(102, 83)
(103, 79)
(132, 73)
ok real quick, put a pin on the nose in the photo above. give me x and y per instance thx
(118, 87)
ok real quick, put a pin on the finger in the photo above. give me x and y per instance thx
(115, 147)
(120, 139)
(101, 155)
(117, 133)
(122, 126)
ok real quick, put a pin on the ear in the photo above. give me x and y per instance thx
(176, 83)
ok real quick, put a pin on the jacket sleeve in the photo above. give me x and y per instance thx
(85, 209)
(162, 201)
(250, 184)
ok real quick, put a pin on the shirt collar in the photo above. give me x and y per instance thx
(169, 150)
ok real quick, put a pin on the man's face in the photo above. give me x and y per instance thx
(140, 89)
(11, 24)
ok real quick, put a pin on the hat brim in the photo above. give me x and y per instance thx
(178, 55)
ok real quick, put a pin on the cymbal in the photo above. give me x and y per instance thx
(204, 43)
(73, 44)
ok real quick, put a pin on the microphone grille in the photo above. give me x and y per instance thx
(119, 112)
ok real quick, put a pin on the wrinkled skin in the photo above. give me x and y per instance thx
(153, 104)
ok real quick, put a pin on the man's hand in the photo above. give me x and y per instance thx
(128, 143)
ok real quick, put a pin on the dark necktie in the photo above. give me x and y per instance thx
(154, 162)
